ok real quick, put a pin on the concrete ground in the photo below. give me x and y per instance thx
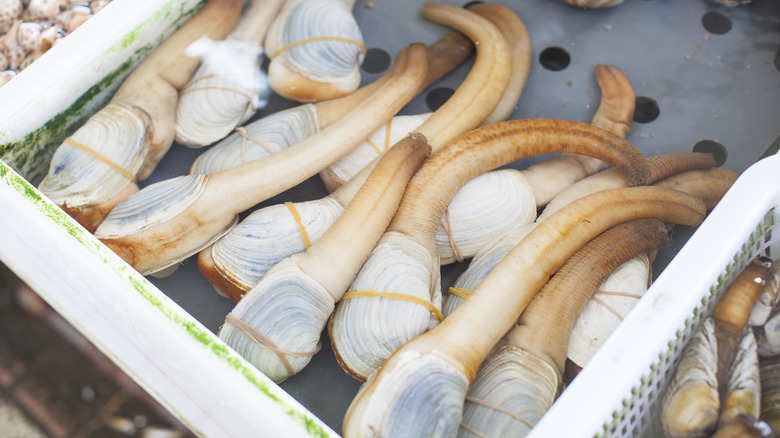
(54, 383)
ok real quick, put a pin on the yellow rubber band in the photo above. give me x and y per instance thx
(394, 296)
(387, 139)
(297, 216)
(121, 170)
(388, 129)
(460, 292)
(319, 39)
(376, 148)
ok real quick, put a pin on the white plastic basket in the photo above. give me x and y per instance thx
(619, 392)
(721, 87)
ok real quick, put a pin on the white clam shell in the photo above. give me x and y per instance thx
(79, 178)
(515, 381)
(599, 319)
(367, 330)
(769, 336)
(290, 309)
(350, 164)
(265, 136)
(155, 203)
(324, 61)
(743, 395)
(269, 235)
(486, 207)
(225, 91)
(691, 402)
(482, 263)
(420, 396)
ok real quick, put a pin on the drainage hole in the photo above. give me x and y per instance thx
(716, 22)
(376, 61)
(437, 97)
(554, 58)
(712, 147)
(646, 110)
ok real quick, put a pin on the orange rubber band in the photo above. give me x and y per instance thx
(258, 338)
(498, 408)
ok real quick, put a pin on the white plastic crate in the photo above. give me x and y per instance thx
(721, 87)
(619, 392)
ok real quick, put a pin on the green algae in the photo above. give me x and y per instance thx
(153, 296)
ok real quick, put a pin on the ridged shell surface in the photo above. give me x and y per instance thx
(515, 381)
(367, 330)
(769, 336)
(743, 396)
(379, 142)
(269, 235)
(226, 90)
(79, 178)
(324, 61)
(691, 403)
(261, 138)
(486, 207)
(605, 311)
(482, 263)
(290, 309)
(155, 203)
(422, 396)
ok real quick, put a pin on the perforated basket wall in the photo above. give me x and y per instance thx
(625, 381)
(707, 77)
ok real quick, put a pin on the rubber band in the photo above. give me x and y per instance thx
(251, 333)
(249, 105)
(453, 245)
(388, 129)
(321, 38)
(376, 148)
(121, 170)
(608, 307)
(618, 294)
(395, 296)
(297, 216)
(244, 137)
(498, 408)
(213, 87)
(474, 431)
(459, 292)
